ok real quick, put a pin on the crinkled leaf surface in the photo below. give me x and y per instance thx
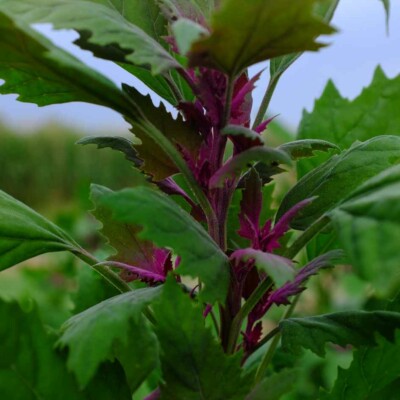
(30, 368)
(343, 121)
(244, 33)
(334, 180)
(368, 227)
(194, 365)
(108, 22)
(25, 234)
(41, 73)
(156, 162)
(168, 225)
(112, 328)
(356, 328)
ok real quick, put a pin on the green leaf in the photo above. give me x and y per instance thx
(120, 144)
(30, 368)
(334, 180)
(306, 148)
(156, 161)
(112, 329)
(234, 166)
(356, 328)
(275, 386)
(324, 9)
(167, 225)
(123, 238)
(256, 31)
(280, 269)
(25, 234)
(368, 227)
(238, 130)
(193, 363)
(41, 73)
(372, 370)
(108, 22)
(187, 32)
(342, 121)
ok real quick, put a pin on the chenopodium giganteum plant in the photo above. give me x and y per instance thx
(199, 228)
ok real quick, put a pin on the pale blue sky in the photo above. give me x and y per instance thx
(350, 60)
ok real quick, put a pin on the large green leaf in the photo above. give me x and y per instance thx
(244, 33)
(25, 234)
(108, 22)
(342, 122)
(334, 180)
(324, 9)
(356, 328)
(156, 161)
(41, 73)
(168, 225)
(112, 328)
(372, 370)
(30, 368)
(193, 363)
(368, 227)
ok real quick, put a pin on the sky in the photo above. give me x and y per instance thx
(361, 44)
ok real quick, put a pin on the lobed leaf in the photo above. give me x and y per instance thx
(156, 161)
(31, 369)
(41, 73)
(25, 234)
(193, 363)
(307, 148)
(112, 329)
(337, 178)
(256, 31)
(356, 328)
(120, 144)
(372, 370)
(325, 9)
(108, 22)
(343, 122)
(168, 225)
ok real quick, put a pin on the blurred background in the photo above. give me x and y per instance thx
(41, 165)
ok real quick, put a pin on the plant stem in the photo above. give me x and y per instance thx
(228, 102)
(306, 236)
(111, 277)
(252, 301)
(274, 344)
(175, 156)
(266, 100)
(174, 88)
(267, 338)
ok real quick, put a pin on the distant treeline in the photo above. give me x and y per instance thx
(47, 169)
